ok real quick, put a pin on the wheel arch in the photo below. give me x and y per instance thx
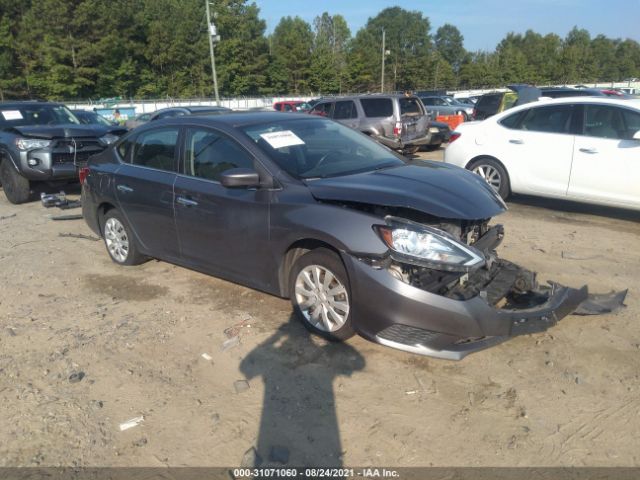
(293, 253)
(103, 208)
(491, 157)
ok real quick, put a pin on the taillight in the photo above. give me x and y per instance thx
(397, 130)
(82, 174)
(454, 136)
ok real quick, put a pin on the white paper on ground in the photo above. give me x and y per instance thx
(12, 114)
(285, 138)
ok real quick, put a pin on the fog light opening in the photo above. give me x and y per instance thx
(32, 162)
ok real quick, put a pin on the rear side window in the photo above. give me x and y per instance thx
(552, 119)
(606, 121)
(513, 121)
(209, 153)
(377, 107)
(410, 106)
(344, 110)
(156, 149)
(322, 109)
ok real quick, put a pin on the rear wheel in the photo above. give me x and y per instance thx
(410, 150)
(320, 294)
(493, 173)
(119, 240)
(16, 188)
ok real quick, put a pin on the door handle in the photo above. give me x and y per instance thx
(589, 150)
(516, 141)
(186, 202)
(124, 189)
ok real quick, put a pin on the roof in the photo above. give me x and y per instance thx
(22, 103)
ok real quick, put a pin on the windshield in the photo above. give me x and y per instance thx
(93, 118)
(35, 114)
(320, 148)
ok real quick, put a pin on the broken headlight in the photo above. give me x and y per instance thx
(426, 246)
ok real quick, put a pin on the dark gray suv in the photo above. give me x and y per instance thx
(44, 142)
(400, 122)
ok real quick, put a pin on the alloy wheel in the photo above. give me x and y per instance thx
(490, 174)
(117, 240)
(322, 298)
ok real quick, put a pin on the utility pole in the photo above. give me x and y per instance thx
(383, 55)
(213, 38)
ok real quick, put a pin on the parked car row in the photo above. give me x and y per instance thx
(585, 149)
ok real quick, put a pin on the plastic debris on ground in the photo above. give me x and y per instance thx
(133, 422)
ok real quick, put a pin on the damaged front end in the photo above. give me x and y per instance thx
(450, 293)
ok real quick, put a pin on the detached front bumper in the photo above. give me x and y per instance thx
(394, 313)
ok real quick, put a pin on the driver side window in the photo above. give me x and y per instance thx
(209, 153)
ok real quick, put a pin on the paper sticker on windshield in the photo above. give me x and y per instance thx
(285, 138)
(12, 114)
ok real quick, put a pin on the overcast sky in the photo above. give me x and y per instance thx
(483, 23)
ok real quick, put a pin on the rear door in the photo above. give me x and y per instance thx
(537, 149)
(144, 189)
(345, 112)
(221, 230)
(606, 159)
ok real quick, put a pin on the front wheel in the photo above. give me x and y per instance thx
(119, 240)
(320, 294)
(16, 188)
(494, 174)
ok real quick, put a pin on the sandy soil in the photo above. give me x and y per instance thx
(86, 345)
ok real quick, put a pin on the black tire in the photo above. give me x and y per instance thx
(16, 188)
(331, 262)
(504, 189)
(120, 228)
(433, 148)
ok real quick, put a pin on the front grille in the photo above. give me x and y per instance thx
(68, 150)
(408, 335)
(70, 157)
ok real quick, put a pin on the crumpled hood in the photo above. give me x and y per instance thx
(434, 188)
(62, 131)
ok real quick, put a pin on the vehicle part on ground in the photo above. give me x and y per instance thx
(59, 200)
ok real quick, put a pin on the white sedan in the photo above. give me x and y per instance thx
(583, 149)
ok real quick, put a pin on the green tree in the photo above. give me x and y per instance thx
(329, 57)
(449, 43)
(291, 46)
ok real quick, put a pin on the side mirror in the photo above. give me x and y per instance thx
(636, 136)
(240, 178)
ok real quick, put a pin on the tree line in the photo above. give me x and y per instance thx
(73, 49)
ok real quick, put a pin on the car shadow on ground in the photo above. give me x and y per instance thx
(298, 424)
(568, 206)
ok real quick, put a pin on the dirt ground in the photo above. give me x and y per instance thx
(86, 345)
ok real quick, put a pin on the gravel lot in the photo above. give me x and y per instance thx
(86, 345)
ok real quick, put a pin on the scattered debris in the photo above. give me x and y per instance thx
(133, 422)
(241, 386)
(141, 442)
(251, 458)
(66, 217)
(207, 357)
(75, 377)
(411, 392)
(215, 419)
(234, 330)
(230, 343)
(79, 235)
(12, 332)
(572, 256)
(279, 454)
(8, 216)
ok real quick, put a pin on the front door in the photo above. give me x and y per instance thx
(221, 230)
(144, 189)
(606, 159)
